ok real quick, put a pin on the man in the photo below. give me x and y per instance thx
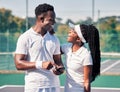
(38, 51)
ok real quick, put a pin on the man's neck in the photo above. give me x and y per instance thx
(37, 29)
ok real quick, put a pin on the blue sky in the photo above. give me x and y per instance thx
(74, 9)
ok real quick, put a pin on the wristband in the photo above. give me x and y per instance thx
(38, 64)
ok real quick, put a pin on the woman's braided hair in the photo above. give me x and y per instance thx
(91, 35)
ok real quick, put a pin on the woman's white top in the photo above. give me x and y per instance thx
(75, 61)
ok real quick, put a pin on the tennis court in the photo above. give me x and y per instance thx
(14, 88)
(109, 81)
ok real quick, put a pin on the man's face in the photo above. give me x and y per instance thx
(47, 21)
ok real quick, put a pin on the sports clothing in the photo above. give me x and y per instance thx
(75, 61)
(40, 49)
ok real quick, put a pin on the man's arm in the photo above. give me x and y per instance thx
(59, 67)
(22, 64)
(58, 60)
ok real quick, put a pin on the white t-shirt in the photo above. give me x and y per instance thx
(75, 61)
(38, 48)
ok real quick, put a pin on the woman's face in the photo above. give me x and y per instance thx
(72, 36)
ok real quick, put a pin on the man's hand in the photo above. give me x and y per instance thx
(47, 65)
(58, 70)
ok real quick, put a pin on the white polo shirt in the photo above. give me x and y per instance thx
(38, 48)
(75, 61)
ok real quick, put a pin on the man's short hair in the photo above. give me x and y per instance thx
(42, 8)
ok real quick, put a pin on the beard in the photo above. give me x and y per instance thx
(46, 29)
(43, 31)
(52, 31)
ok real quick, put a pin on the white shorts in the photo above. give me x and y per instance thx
(52, 89)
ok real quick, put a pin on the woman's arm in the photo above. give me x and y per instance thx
(87, 77)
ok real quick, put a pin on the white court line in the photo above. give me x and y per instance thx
(5, 86)
(105, 61)
(104, 70)
(62, 87)
(105, 88)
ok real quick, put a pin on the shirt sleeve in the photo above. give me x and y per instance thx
(63, 48)
(21, 47)
(88, 60)
(57, 49)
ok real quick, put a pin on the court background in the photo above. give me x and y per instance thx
(10, 76)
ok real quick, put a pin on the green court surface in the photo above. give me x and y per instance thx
(16, 78)
(101, 81)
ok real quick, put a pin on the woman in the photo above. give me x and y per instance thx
(82, 66)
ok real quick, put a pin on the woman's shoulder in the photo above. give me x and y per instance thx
(84, 50)
(66, 45)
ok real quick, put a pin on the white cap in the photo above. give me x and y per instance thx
(78, 31)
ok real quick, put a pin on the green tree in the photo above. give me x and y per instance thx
(4, 19)
(10, 22)
(109, 35)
